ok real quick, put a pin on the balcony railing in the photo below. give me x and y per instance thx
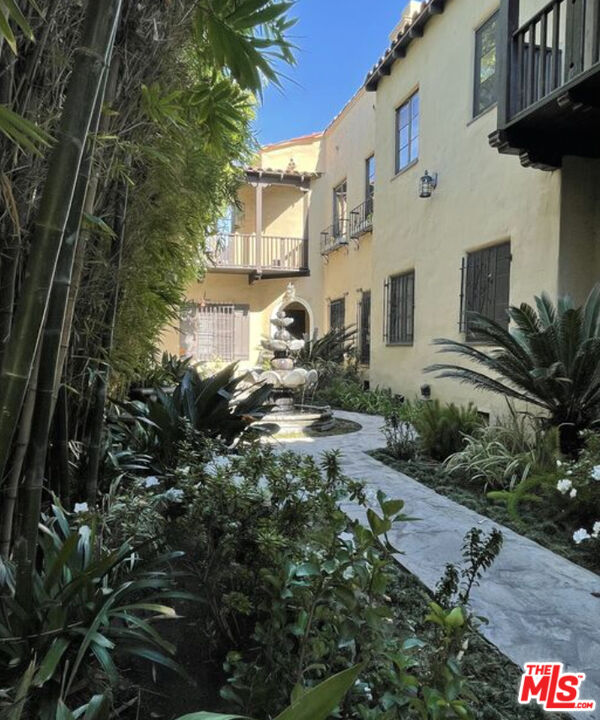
(267, 253)
(361, 219)
(549, 79)
(334, 236)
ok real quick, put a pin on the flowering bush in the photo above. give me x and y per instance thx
(580, 483)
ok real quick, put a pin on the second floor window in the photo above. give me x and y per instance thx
(399, 310)
(407, 133)
(485, 91)
(340, 207)
(337, 313)
(370, 177)
(486, 285)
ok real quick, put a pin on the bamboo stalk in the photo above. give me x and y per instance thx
(50, 359)
(103, 370)
(11, 490)
(55, 206)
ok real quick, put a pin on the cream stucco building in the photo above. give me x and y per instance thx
(341, 214)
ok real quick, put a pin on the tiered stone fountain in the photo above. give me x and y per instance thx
(289, 381)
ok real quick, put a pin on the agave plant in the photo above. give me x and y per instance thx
(549, 358)
(84, 608)
(218, 407)
(333, 346)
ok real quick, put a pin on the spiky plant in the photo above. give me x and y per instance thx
(549, 358)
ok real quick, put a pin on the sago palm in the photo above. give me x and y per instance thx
(549, 358)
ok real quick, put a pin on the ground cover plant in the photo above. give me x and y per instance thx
(512, 472)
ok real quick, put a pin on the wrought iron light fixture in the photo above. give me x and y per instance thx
(427, 184)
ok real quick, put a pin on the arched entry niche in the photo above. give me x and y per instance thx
(301, 312)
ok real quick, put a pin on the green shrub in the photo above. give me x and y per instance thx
(86, 609)
(347, 392)
(442, 428)
(400, 438)
(294, 590)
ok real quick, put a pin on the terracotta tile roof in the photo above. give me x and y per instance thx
(411, 30)
(288, 173)
(292, 141)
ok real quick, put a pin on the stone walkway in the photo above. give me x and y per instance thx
(540, 606)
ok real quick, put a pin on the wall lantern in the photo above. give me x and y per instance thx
(427, 184)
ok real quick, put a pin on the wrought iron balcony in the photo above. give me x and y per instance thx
(334, 236)
(549, 82)
(361, 219)
(262, 255)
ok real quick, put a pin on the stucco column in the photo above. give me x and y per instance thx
(259, 224)
(305, 212)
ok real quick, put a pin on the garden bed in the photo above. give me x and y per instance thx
(532, 522)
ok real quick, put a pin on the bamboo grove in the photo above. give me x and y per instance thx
(123, 127)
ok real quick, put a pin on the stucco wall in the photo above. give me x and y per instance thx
(347, 144)
(482, 198)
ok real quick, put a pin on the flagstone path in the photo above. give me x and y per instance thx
(540, 606)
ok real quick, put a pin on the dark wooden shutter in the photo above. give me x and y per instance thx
(241, 332)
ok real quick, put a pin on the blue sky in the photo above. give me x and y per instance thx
(338, 40)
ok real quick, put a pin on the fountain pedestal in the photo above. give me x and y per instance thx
(287, 380)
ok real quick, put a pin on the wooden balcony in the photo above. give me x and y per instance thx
(549, 82)
(335, 236)
(263, 256)
(361, 219)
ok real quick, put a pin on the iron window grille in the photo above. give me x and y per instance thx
(485, 286)
(399, 309)
(215, 332)
(364, 328)
(337, 313)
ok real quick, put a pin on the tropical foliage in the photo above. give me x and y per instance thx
(548, 359)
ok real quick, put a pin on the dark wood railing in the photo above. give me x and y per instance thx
(361, 218)
(560, 42)
(334, 236)
(265, 253)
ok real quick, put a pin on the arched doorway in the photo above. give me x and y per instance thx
(301, 325)
(300, 311)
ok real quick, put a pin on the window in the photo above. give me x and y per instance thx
(364, 328)
(370, 177)
(407, 133)
(340, 208)
(337, 313)
(399, 311)
(215, 332)
(486, 285)
(485, 91)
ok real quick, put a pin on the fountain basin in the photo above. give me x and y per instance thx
(300, 417)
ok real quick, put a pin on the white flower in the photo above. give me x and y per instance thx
(219, 462)
(580, 535)
(596, 529)
(558, 463)
(81, 507)
(151, 481)
(573, 493)
(563, 486)
(174, 494)
(596, 472)
(569, 472)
